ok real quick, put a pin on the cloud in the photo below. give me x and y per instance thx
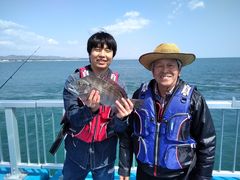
(52, 41)
(194, 4)
(7, 43)
(17, 39)
(178, 5)
(132, 14)
(131, 21)
(16, 36)
(9, 25)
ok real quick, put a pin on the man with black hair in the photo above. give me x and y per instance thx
(92, 136)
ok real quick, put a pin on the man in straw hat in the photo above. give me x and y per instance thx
(172, 134)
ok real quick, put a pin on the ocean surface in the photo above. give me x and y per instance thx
(215, 78)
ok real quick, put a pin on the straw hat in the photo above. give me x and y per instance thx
(163, 51)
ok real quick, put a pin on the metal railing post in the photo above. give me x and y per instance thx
(13, 144)
(236, 142)
(221, 142)
(1, 152)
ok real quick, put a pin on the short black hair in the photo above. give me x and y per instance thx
(102, 38)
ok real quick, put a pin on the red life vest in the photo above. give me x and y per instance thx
(96, 129)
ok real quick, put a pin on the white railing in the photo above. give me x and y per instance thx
(28, 128)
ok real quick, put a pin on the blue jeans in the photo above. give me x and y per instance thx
(71, 171)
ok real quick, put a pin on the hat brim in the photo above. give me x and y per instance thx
(147, 59)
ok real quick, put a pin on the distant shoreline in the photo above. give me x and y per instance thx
(20, 58)
(16, 58)
(57, 60)
(40, 58)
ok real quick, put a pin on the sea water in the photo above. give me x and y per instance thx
(216, 78)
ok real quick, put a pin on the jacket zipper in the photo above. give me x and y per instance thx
(157, 138)
(158, 124)
(156, 148)
(91, 144)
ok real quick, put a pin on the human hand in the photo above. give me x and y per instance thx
(124, 177)
(93, 100)
(124, 107)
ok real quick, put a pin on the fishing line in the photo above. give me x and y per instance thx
(19, 68)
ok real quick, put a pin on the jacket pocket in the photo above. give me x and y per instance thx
(178, 127)
(102, 134)
(179, 156)
(141, 150)
(102, 124)
(86, 133)
(141, 123)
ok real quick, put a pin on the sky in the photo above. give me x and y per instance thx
(62, 27)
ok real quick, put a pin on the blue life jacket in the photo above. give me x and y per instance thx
(166, 143)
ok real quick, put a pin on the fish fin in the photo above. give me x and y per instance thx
(72, 89)
(137, 103)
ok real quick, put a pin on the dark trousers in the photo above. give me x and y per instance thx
(71, 171)
(141, 175)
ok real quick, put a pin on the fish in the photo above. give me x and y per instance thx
(109, 90)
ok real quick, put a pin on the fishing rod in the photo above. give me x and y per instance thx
(19, 68)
